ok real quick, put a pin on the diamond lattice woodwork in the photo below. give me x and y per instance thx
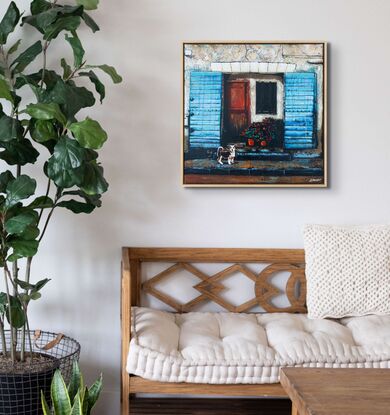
(210, 287)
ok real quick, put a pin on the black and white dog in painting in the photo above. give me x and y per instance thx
(227, 153)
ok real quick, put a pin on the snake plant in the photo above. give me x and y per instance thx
(74, 399)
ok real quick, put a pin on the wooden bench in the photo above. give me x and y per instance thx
(278, 260)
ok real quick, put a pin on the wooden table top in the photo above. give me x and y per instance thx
(337, 391)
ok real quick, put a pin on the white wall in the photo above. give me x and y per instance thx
(146, 204)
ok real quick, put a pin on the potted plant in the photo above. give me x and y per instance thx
(264, 134)
(50, 127)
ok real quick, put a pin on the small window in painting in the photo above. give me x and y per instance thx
(266, 100)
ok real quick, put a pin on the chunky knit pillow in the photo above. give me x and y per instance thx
(347, 270)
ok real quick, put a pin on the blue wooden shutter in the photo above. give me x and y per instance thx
(300, 89)
(205, 109)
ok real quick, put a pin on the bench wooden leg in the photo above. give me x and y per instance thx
(125, 395)
(294, 410)
(125, 406)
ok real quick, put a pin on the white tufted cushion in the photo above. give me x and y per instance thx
(224, 348)
(347, 270)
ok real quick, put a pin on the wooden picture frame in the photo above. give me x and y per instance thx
(228, 140)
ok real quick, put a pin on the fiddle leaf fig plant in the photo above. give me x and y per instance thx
(50, 127)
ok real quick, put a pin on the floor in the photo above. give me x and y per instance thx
(167, 406)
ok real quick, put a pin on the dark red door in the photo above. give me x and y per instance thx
(237, 109)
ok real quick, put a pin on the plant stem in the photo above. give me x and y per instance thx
(15, 294)
(45, 47)
(46, 196)
(29, 337)
(15, 272)
(58, 196)
(2, 334)
(27, 279)
(73, 73)
(9, 313)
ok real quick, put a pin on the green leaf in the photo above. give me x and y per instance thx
(85, 400)
(48, 111)
(26, 57)
(41, 21)
(91, 155)
(18, 317)
(5, 178)
(89, 133)
(14, 47)
(44, 16)
(43, 130)
(77, 47)
(66, 68)
(18, 224)
(40, 284)
(39, 6)
(100, 88)
(90, 22)
(22, 80)
(45, 406)
(68, 153)
(24, 285)
(90, 199)
(94, 183)
(93, 393)
(5, 91)
(9, 22)
(41, 202)
(71, 98)
(88, 4)
(30, 233)
(3, 303)
(65, 178)
(76, 381)
(59, 395)
(67, 23)
(20, 188)
(77, 408)
(32, 287)
(23, 248)
(10, 128)
(24, 298)
(109, 70)
(18, 152)
(76, 206)
(63, 166)
(35, 296)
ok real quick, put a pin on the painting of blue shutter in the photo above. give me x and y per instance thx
(205, 109)
(300, 89)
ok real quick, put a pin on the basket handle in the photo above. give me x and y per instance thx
(48, 346)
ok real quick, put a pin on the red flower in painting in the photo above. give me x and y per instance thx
(260, 133)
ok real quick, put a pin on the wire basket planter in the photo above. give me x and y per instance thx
(21, 383)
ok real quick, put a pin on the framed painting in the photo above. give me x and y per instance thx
(254, 114)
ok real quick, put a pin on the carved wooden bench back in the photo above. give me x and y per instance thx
(209, 287)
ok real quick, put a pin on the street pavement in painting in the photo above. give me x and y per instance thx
(255, 167)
